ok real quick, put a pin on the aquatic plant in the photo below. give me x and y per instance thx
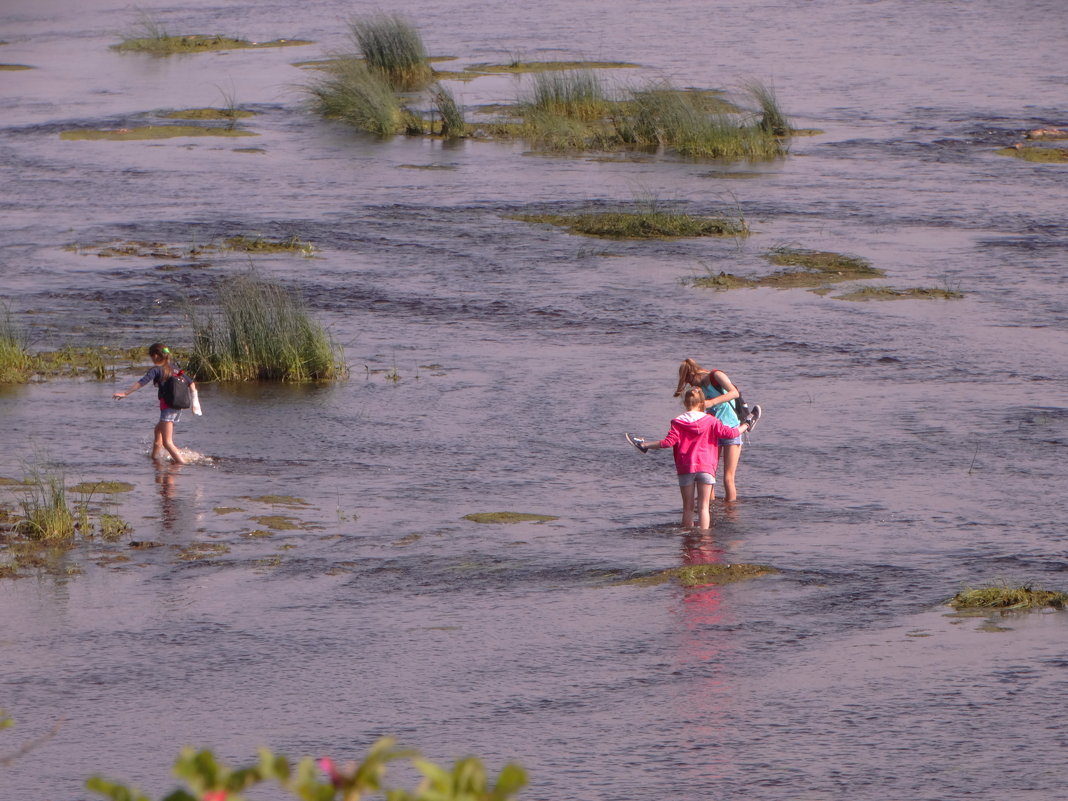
(208, 779)
(148, 35)
(889, 293)
(350, 92)
(700, 575)
(518, 65)
(151, 132)
(1003, 598)
(452, 115)
(393, 49)
(15, 361)
(261, 330)
(648, 220)
(46, 515)
(507, 517)
(1039, 155)
(574, 94)
(773, 119)
(259, 244)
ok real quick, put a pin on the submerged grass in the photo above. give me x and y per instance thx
(519, 66)
(701, 575)
(647, 221)
(889, 293)
(1002, 597)
(1040, 155)
(148, 35)
(261, 330)
(507, 517)
(259, 244)
(393, 48)
(151, 132)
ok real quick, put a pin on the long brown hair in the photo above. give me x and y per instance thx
(157, 350)
(688, 372)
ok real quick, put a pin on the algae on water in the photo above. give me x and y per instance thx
(508, 517)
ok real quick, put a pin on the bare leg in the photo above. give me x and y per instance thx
(164, 433)
(157, 442)
(704, 496)
(687, 506)
(730, 455)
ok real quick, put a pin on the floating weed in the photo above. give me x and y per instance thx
(1002, 597)
(278, 522)
(888, 293)
(207, 114)
(151, 132)
(249, 150)
(144, 545)
(105, 487)
(163, 44)
(408, 540)
(508, 517)
(1040, 155)
(649, 224)
(258, 533)
(202, 550)
(815, 268)
(14, 67)
(113, 527)
(700, 575)
(277, 500)
(258, 244)
(822, 261)
(226, 510)
(428, 166)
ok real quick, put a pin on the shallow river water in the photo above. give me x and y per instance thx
(908, 447)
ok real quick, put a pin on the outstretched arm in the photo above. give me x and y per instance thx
(730, 392)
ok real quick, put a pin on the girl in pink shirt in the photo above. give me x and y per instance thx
(694, 437)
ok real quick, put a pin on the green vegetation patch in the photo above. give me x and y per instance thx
(208, 114)
(549, 66)
(1003, 598)
(640, 224)
(888, 293)
(1040, 155)
(202, 550)
(152, 132)
(278, 522)
(278, 500)
(163, 44)
(15, 67)
(226, 510)
(259, 244)
(700, 575)
(105, 487)
(508, 517)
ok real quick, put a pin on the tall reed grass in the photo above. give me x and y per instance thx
(47, 516)
(773, 119)
(393, 48)
(15, 361)
(351, 92)
(575, 94)
(452, 115)
(261, 330)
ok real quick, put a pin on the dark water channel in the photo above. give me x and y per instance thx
(909, 447)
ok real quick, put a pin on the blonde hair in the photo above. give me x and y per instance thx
(688, 371)
(157, 350)
(694, 399)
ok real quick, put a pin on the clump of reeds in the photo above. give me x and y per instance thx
(1002, 597)
(575, 94)
(15, 361)
(453, 124)
(262, 330)
(354, 94)
(46, 515)
(393, 48)
(773, 119)
(648, 220)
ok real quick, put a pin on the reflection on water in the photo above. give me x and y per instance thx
(319, 551)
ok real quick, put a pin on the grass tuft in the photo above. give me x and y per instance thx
(507, 517)
(649, 220)
(352, 93)
(262, 330)
(1002, 597)
(452, 115)
(16, 363)
(393, 48)
(690, 576)
(1038, 155)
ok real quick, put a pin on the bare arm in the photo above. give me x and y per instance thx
(730, 391)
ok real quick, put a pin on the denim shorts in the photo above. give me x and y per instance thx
(689, 479)
(735, 441)
(169, 415)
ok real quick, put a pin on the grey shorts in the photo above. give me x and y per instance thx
(689, 479)
(735, 441)
(169, 415)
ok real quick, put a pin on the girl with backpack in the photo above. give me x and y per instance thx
(719, 396)
(695, 438)
(175, 391)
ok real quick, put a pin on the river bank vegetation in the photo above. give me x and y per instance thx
(150, 36)
(1006, 598)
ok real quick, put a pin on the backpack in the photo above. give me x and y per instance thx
(741, 408)
(176, 392)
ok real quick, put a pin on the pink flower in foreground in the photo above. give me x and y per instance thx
(215, 795)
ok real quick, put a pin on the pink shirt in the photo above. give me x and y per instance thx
(694, 437)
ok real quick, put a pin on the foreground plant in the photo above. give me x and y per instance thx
(15, 361)
(261, 330)
(393, 48)
(207, 779)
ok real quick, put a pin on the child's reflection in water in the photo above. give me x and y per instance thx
(165, 477)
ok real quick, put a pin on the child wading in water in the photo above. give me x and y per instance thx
(164, 368)
(694, 436)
